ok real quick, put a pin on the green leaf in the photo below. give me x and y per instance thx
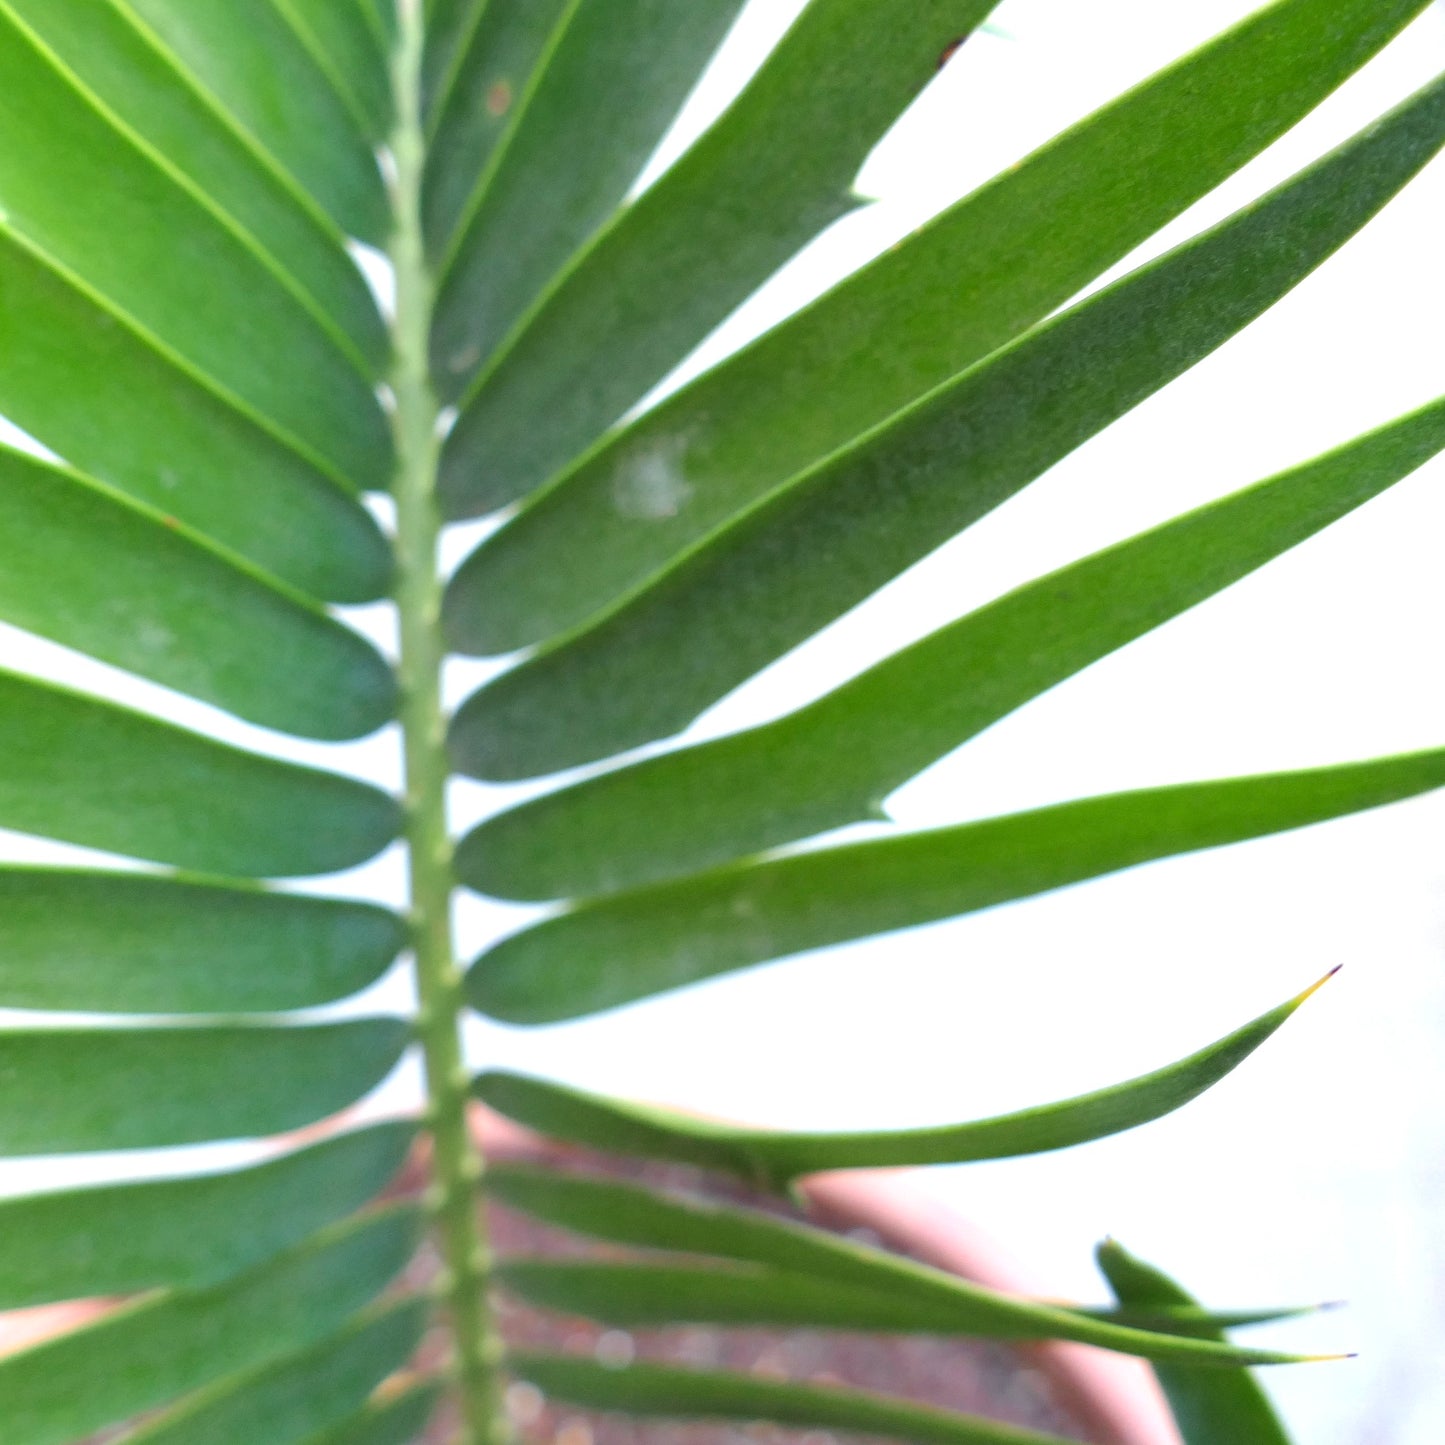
(775, 1159)
(771, 174)
(110, 942)
(654, 1391)
(1209, 1406)
(346, 49)
(122, 583)
(798, 560)
(88, 772)
(834, 762)
(449, 26)
(772, 1159)
(137, 79)
(632, 945)
(653, 1295)
(146, 1356)
(963, 285)
(257, 67)
(607, 85)
(104, 397)
(399, 1422)
(491, 81)
(80, 194)
(143, 1088)
(626, 1214)
(118, 1239)
(284, 1403)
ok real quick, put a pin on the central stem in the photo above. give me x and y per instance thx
(457, 1163)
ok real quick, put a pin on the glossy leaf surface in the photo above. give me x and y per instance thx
(835, 761)
(398, 1422)
(632, 945)
(966, 283)
(799, 560)
(144, 1088)
(118, 1239)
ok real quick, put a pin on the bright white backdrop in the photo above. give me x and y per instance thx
(1317, 1171)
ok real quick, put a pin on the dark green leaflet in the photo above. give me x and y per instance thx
(108, 942)
(771, 174)
(608, 84)
(774, 1159)
(146, 1088)
(116, 580)
(86, 771)
(834, 762)
(969, 281)
(633, 945)
(1208, 1405)
(146, 1356)
(125, 66)
(800, 559)
(120, 1239)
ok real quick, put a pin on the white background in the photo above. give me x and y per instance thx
(1316, 1171)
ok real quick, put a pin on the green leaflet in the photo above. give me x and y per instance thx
(775, 1159)
(258, 68)
(800, 559)
(284, 1403)
(165, 1347)
(834, 762)
(654, 1295)
(771, 174)
(85, 771)
(449, 26)
(110, 942)
(396, 1423)
(127, 69)
(965, 284)
(345, 47)
(626, 1214)
(491, 84)
(630, 946)
(144, 1088)
(104, 397)
(120, 582)
(674, 1394)
(772, 1159)
(1209, 1406)
(607, 87)
(120, 1239)
(78, 191)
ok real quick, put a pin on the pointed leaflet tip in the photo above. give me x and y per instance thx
(1314, 987)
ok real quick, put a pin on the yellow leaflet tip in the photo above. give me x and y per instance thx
(1317, 985)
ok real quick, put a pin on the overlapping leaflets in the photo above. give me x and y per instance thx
(185, 190)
